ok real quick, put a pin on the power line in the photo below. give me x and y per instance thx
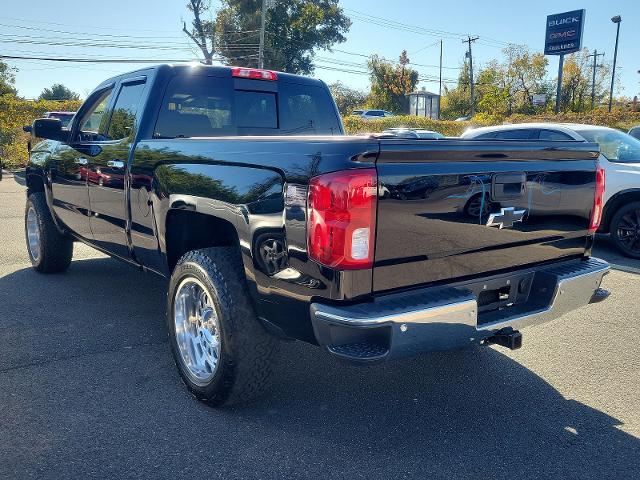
(111, 60)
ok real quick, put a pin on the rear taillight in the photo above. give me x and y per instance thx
(596, 211)
(254, 73)
(341, 219)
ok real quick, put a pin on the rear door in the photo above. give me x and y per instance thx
(108, 170)
(454, 209)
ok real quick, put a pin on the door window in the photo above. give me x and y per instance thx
(554, 136)
(519, 134)
(123, 119)
(93, 125)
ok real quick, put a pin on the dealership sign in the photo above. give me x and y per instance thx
(564, 33)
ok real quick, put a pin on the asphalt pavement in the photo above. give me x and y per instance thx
(88, 390)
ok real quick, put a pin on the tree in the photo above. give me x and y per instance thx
(346, 98)
(295, 29)
(7, 79)
(202, 31)
(58, 92)
(456, 101)
(502, 87)
(577, 80)
(493, 94)
(526, 75)
(391, 83)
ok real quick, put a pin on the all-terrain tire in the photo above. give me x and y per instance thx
(246, 350)
(52, 251)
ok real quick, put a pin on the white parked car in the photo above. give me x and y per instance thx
(414, 133)
(372, 114)
(620, 158)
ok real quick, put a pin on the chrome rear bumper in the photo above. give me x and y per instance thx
(442, 318)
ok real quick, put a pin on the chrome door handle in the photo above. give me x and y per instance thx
(119, 164)
(81, 161)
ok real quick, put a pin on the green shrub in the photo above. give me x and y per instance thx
(14, 114)
(355, 125)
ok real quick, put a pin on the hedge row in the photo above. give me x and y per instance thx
(14, 114)
(616, 119)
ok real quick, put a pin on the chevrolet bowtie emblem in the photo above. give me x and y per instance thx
(506, 218)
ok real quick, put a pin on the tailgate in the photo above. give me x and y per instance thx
(449, 209)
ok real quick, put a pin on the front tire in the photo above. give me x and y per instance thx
(222, 352)
(625, 230)
(49, 250)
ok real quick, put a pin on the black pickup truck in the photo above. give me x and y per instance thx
(240, 187)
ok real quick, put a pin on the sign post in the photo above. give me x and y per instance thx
(559, 87)
(563, 35)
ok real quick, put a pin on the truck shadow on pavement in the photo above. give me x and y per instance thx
(101, 381)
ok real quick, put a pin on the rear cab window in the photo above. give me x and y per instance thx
(209, 106)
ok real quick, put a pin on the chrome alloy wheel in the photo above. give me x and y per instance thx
(33, 234)
(197, 330)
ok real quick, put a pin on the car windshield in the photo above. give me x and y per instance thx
(615, 145)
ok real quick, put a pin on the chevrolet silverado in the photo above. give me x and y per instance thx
(239, 186)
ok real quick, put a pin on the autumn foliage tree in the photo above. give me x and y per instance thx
(391, 83)
(346, 98)
(577, 80)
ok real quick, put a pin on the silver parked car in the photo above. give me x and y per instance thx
(372, 114)
(620, 159)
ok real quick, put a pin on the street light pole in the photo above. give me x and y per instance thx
(617, 20)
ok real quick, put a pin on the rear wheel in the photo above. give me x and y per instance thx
(49, 250)
(221, 350)
(625, 229)
(478, 207)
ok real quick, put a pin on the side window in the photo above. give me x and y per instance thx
(123, 118)
(485, 136)
(520, 134)
(554, 136)
(376, 113)
(93, 125)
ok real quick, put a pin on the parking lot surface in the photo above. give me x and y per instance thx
(88, 390)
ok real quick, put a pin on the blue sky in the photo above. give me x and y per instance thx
(154, 28)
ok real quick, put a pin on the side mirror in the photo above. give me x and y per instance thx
(26, 128)
(49, 128)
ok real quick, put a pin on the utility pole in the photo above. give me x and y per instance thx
(262, 26)
(440, 90)
(470, 40)
(595, 56)
(617, 19)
